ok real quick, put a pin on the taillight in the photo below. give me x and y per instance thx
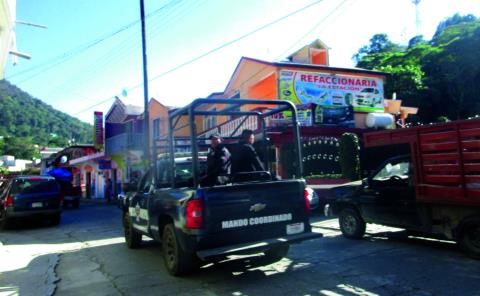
(194, 214)
(8, 201)
(306, 197)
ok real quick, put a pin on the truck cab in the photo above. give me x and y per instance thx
(430, 190)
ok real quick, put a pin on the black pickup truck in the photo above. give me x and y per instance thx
(251, 214)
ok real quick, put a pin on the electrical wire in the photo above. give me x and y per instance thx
(229, 43)
(73, 52)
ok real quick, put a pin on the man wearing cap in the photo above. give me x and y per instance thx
(218, 163)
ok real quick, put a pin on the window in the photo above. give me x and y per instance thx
(400, 169)
(129, 132)
(156, 128)
(210, 121)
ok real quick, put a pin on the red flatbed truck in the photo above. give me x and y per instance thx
(434, 188)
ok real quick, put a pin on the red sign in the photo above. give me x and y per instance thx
(98, 128)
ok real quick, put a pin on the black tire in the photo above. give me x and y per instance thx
(76, 204)
(132, 237)
(177, 261)
(469, 238)
(55, 219)
(351, 224)
(4, 220)
(277, 253)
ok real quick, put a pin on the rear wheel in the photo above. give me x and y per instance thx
(177, 261)
(351, 224)
(76, 204)
(469, 238)
(277, 253)
(132, 237)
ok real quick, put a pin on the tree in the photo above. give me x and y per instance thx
(349, 155)
(379, 43)
(21, 148)
(440, 76)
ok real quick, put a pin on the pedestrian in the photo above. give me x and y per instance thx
(218, 163)
(244, 156)
(108, 190)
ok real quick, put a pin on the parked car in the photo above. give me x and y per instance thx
(30, 196)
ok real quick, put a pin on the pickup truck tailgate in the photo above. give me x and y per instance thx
(254, 211)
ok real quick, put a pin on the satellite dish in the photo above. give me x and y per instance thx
(63, 159)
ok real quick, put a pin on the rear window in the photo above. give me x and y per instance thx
(25, 186)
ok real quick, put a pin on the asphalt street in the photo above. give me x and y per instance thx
(86, 255)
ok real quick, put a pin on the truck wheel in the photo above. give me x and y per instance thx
(76, 204)
(177, 261)
(351, 224)
(469, 238)
(132, 237)
(277, 253)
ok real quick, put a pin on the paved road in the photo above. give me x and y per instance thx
(86, 255)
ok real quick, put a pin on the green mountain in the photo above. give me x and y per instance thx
(34, 122)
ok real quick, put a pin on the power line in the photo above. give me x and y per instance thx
(234, 41)
(72, 53)
(218, 48)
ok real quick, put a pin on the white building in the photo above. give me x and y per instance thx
(7, 33)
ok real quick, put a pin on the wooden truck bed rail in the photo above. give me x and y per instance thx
(446, 159)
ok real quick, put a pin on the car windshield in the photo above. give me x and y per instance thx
(389, 170)
(33, 185)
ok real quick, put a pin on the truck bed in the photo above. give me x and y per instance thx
(446, 159)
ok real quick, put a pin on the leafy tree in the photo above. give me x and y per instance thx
(379, 43)
(440, 76)
(22, 148)
(349, 155)
(26, 117)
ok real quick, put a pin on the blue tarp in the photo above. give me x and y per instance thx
(61, 174)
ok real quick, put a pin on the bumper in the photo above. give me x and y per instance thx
(254, 247)
(14, 214)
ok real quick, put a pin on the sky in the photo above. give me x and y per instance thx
(91, 51)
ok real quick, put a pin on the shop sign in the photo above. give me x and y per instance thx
(364, 94)
(98, 128)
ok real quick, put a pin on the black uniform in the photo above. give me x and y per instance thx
(245, 159)
(218, 166)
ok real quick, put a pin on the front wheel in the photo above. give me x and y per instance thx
(177, 261)
(132, 237)
(351, 224)
(469, 239)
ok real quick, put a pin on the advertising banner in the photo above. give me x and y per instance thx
(98, 128)
(331, 91)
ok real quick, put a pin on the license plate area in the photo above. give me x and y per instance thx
(37, 205)
(295, 228)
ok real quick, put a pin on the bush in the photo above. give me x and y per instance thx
(349, 152)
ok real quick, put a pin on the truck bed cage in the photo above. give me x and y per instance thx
(228, 108)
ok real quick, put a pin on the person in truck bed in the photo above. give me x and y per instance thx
(244, 156)
(218, 163)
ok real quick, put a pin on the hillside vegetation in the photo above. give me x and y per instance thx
(441, 76)
(26, 121)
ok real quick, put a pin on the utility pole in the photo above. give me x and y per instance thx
(146, 152)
